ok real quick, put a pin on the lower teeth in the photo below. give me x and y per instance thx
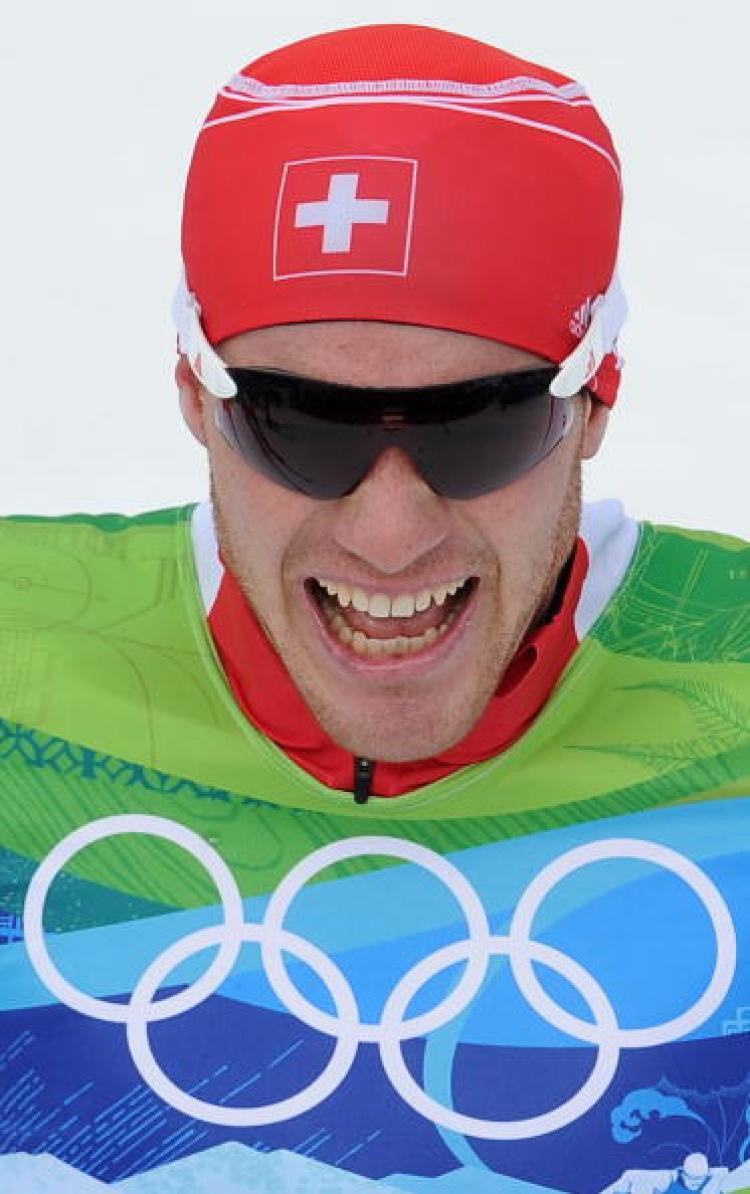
(375, 647)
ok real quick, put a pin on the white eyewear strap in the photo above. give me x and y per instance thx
(608, 314)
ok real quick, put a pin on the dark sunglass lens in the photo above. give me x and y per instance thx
(292, 446)
(466, 438)
(494, 443)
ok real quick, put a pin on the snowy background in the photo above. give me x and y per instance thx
(101, 102)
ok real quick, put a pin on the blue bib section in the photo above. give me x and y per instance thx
(567, 1011)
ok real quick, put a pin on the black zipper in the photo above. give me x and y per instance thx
(363, 771)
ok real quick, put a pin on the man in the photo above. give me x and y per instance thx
(390, 696)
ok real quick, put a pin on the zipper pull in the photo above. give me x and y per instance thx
(363, 769)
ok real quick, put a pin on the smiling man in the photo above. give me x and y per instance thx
(285, 774)
(396, 611)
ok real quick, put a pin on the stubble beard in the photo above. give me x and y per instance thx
(423, 730)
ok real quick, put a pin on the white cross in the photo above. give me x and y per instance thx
(338, 214)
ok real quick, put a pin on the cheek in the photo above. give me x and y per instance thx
(523, 521)
(514, 519)
(260, 520)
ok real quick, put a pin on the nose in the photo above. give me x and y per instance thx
(392, 518)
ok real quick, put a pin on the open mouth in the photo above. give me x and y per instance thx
(376, 625)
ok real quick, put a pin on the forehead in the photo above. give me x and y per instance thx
(374, 353)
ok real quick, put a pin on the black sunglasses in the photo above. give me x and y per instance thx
(466, 438)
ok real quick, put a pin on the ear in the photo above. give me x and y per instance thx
(192, 402)
(597, 417)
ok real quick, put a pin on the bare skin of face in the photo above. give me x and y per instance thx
(395, 537)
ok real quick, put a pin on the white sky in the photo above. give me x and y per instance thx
(101, 103)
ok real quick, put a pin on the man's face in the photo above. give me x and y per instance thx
(413, 683)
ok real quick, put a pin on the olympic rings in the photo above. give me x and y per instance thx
(96, 831)
(333, 1075)
(394, 1027)
(467, 898)
(696, 880)
(519, 1129)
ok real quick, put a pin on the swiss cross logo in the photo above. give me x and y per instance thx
(345, 215)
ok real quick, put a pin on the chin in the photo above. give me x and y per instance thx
(402, 736)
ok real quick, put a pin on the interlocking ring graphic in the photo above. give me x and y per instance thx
(395, 1026)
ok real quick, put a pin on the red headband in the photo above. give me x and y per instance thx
(405, 174)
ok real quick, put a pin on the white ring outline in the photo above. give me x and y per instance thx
(598, 1081)
(88, 835)
(392, 1029)
(462, 891)
(640, 850)
(333, 1074)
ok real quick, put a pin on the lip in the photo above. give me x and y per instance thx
(390, 666)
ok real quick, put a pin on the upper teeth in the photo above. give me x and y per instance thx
(380, 605)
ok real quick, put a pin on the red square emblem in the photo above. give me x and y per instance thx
(345, 215)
